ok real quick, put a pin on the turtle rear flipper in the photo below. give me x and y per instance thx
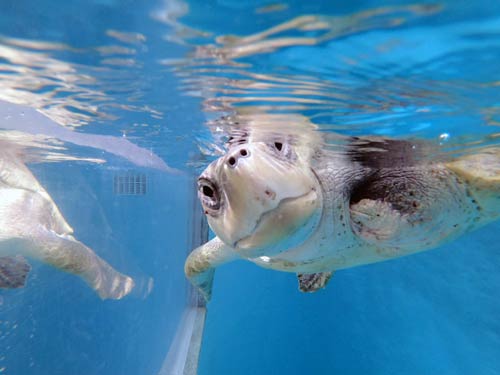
(312, 282)
(13, 272)
(481, 172)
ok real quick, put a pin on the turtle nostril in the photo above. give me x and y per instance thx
(232, 161)
(243, 152)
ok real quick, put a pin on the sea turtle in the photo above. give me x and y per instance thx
(296, 205)
(31, 225)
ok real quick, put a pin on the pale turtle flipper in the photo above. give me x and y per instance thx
(32, 225)
(394, 233)
(312, 282)
(377, 221)
(481, 172)
(68, 254)
(13, 272)
(200, 264)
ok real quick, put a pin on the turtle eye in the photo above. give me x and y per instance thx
(283, 149)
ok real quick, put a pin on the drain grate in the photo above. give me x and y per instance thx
(130, 184)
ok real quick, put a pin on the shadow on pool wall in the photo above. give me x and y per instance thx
(431, 313)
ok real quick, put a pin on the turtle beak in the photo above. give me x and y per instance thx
(209, 195)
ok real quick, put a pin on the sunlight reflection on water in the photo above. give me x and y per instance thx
(381, 71)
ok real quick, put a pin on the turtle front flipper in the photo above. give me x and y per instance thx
(201, 263)
(13, 272)
(312, 282)
(481, 173)
(68, 254)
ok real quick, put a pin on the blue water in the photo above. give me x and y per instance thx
(172, 77)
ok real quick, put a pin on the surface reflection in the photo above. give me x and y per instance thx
(391, 71)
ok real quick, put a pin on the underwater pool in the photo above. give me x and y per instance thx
(113, 108)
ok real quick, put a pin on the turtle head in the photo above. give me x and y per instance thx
(262, 197)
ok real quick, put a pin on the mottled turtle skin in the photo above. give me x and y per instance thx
(294, 205)
(32, 226)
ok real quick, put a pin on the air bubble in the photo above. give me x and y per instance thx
(443, 138)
